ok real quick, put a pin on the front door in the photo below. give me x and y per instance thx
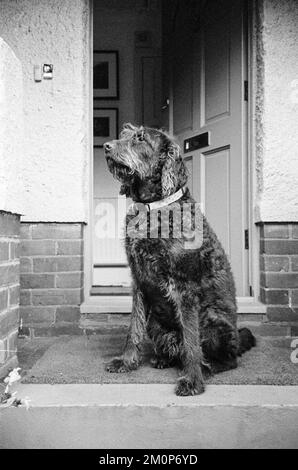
(204, 72)
(208, 55)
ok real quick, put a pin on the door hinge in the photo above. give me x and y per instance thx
(246, 239)
(245, 90)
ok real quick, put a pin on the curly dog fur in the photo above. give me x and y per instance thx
(183, 299)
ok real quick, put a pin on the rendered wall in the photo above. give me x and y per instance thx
(11, 130)
(55, 111)
(277, 111)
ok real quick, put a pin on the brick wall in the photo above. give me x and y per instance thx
(279, 271)
(9, 290)
(51, 278)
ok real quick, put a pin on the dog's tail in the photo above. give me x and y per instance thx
(247, 340)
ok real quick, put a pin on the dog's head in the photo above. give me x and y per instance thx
(147, 163)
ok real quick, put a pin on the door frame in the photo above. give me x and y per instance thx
(88, 232)
(254, 235)
(254, 230)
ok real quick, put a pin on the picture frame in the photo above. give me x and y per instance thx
(105, 125)
(106, 75)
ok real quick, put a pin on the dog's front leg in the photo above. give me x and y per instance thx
(130, 358)
(192, 382)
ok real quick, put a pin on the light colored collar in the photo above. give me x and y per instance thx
(166, 201)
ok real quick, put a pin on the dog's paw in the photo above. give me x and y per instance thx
(117, 366)
(160, 363)
(186, 387)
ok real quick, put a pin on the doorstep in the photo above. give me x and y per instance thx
(126, 416)
(122, 303)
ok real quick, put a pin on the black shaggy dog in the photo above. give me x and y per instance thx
(183, 296)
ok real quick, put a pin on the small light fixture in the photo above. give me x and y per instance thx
(47, 71)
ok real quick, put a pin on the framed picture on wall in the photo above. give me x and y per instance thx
(106, 75)
(105, 125)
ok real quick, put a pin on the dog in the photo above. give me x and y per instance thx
(183, 296)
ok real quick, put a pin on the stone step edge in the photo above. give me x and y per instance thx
(151, 416)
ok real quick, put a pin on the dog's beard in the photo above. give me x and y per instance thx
(120, 171)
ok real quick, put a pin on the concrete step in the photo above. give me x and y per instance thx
(128, 416)
(103, 323)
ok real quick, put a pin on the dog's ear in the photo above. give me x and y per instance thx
(125, 189)
(130, 127)
(174, 173)
(128, 131)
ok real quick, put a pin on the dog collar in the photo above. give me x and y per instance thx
(166, 201)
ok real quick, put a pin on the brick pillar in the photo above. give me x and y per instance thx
(51, 278)
(9, 290)
(279, 271)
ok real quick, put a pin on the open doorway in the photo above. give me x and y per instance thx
(133, 29)
(184, 68)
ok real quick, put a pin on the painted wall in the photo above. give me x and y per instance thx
(55, 150)
(277, 143)
(11, 130)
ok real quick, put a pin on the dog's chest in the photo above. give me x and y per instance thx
(149, 260)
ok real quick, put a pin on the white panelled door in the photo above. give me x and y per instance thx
(208, 86)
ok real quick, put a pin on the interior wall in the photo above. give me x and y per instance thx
(115, 24)
(56, 120)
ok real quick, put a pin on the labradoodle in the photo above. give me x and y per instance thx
(183, 287)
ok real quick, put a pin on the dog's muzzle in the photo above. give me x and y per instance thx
(108, 147)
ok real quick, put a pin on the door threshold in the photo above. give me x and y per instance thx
(122, 303)
(250, 305)
(110, 290)
(107, 304)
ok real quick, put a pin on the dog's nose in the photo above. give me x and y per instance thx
(107, 146)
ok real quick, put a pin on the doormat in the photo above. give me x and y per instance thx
(77, 359)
